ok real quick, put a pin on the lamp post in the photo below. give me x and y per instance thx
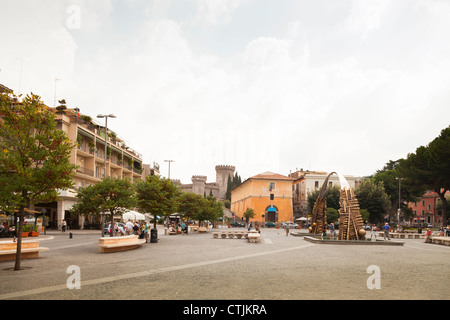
(169, 161)
(106, 116)
(106, 133)
(399, 198)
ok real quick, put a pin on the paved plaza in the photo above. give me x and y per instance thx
(198, 267)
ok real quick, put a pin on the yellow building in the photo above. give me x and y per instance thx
(268, 194)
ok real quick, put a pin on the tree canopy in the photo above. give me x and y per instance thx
(157, 196)
(34, 157)
(429, 168)
(112, 196)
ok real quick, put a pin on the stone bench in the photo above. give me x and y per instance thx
(253, 237)
(397, 235)
(115, 244)
(441, 240)
(230, 234)
(30, 250)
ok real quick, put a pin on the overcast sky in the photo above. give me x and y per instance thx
(328, 85)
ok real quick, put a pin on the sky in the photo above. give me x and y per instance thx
(264, 85)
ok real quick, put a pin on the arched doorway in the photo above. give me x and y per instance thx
(271, 214)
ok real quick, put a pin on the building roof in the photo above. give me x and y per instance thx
(271, 176)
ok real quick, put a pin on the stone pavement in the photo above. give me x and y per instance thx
(198, 267)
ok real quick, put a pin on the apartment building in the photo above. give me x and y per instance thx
(89, 155)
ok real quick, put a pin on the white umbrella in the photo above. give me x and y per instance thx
(301, 219)
(133, 215)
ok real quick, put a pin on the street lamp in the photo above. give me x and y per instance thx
(169, 161)
(106, 116)
(399, 198)
(106, 133)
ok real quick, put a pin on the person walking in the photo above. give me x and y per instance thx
(386, 229)
(373, 235)
(64, 225)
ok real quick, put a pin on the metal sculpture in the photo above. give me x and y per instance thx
(319, 213)
(350, 220)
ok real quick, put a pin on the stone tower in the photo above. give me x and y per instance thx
(198, 184)
(222, 173)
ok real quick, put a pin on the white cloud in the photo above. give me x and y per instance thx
(281, 101)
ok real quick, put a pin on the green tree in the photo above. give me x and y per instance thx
(111, 196)
(389, 176)
(429, 168)
(333, 196)
(249, 214)
(372, 196)
(34, 157)
(332, 215)
(232, 183)
(189, 204)
(157, 195)
(210, 210)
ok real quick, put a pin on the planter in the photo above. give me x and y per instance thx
(25, 234)
(34, 234)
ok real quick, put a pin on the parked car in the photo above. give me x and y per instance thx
(236, 224)
(106, 230)
(270, 225)
(289, 224)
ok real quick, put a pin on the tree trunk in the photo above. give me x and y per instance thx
(19, 240)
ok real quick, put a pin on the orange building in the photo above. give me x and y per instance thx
(268, 194)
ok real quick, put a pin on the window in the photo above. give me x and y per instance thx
(271, 196)
(271, 186)
(316, 184)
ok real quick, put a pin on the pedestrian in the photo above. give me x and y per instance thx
(129, 226)
(64, 225)
(183, 228)
(287, 229)
(146, 231)
(448, 231)
(332, 230)
(441, 231)
(373, 235)
(428, 236)
(249, 226)
(386, 229)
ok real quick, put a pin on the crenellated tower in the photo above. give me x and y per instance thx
(222, 173)
(198, 184)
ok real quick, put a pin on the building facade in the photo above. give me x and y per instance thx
(89, 156)
(307, 181)
(425, 210)
(218, 188)
(268, 194)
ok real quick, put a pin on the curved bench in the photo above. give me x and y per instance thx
(30, 249)
(115, 244)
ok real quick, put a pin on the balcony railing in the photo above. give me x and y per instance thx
(85, 171)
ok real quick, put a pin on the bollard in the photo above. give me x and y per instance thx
(70, 235)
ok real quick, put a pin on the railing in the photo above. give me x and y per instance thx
(86, 171)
